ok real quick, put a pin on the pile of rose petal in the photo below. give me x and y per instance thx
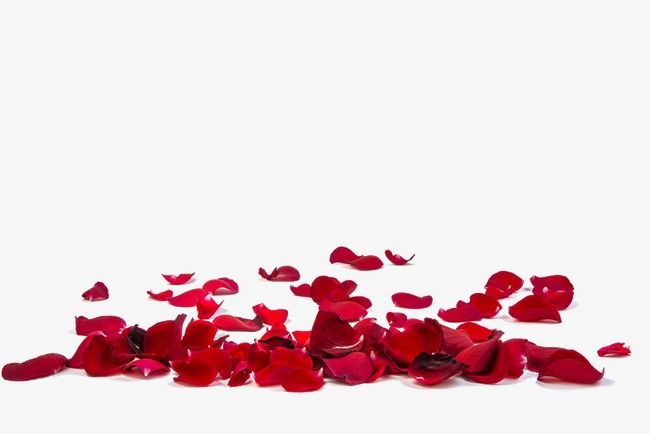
(343, 344)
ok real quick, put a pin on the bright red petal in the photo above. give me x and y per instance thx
(161, 296)
(476, 332)
(410, 301)
(396, 319)
(332, 336)
(557, 289)
(397, 259)
(178, 279)
(345, 310)
(303, 290)
(342, 255)
(534, 308)
(488, 305)
(615, 349)
(285, 273)
(418, 337)
(188, 298)
(464, 312)
(98, 292)
(502, 284)
(570, 366)
(199, 335)
(100, 358)
(304, 380)
(353, 368)
(221, 286)
(367, 263)
(197, 372)
(38, 367)
(105, 324)
(206, 307)
(270, 316)
(237, 324)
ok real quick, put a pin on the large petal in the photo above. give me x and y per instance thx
(207, 307)
(197, 372)
(345, 310)
(463, 312)
(411, 301)
(270, 316)
(38, 367)
(107, 324)
(100, 358)
(332, 336)
(488, 305)
(570, 366)
(418, 337)
(189, 298)
(304, 380)
(199, 334)
(534, 308)
(396, 319)
(557, 289)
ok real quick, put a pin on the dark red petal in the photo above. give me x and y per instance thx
(397, 259)
(410, 301)
(219, 358)
(38, 367)
(488, 305)
(330, 287)
(77, 359)
(147, 367)
(237, 324)
(570, 366)
(285, 273)
(516, 351)
(454, 341)
(206, 307)
(240, 375)
(332, 336)
(197, 372)
(304, 380)
(188, 298)
(221, 286)
(100, 358)
(161, 296)
(396, 319)
(270, 316)
(98, 292)
(464, 312)
(557, 289)
(367, 263)
(343, 255)
(502, 284)
(162, 341)
(476, 332)
(496, 370)
(478, 357)
(418, 337)
(106, 324)
(537, 356)
(345, 310)
(199, 334)
(353, 368)
(282, 363)
(432, 369)
(178, 279)
(534, 308)
(303, 290)
(615, 349)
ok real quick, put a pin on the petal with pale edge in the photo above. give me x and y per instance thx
(221, 286)
(502, 284)
(178, 279)
(161, 296)
(147, 367)
(237, 324)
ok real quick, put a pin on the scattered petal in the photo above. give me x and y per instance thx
(189, 298)
(503, 284)
(488, 305)
(38, 367)
(397, 259)
(207, 307)
(199, 335)
(557, 289)
(570, 366)
(410, 301)
(237, 324)
(463, 312)
(106, 324)
(161, 296)
(197, 372)
(98, 292)
(332, 336)
(285, 273)
(476, 332)
(178, 279)
(615, 349)
(270, 316)
(360, 262)
(101, 359)
(221, 286)
(534, 308)
(303, 290)
(346, 310)
(396, 319)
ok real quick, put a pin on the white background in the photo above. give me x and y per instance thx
(146, 137)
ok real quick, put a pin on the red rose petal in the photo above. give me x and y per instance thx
(345, 310)
(197, 372)
(147, 367)
(162, 341)
(343, 255)
(221, 286)
(537, 356)
(463, 312)
(397, 259)
(353, 368)
(237, 324)
(100, 358)
(178, 279)
(486, 362)
(304, 380)
(303, 290)
(285, 273)
(188, 298)
(432, 369)
(488, 305)
(270, 316)
(77, 359)
(476, 332)
(38, 367)
(199, 334)
(418, 337)
(570, 366)
(534, 308)
(282, 363)
(332, 336)
(396, 319)
(557, 289)
(360, 262)
(240, 375)
(615, 349)
(502, 284)
(106, 324)
(98, 292)
(410, 301)
(516, 351)
(329, 287)
(206, 307)
(161, 296)
(454, 341)
(301, 337)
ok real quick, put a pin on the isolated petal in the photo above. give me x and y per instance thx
(343, 255)
(615, 349)
(397, 259)
(303, 290)
(284, 273)
(502, 284)
(178, 279)
(557, 289)
(270, 316)
(161, 296)
(38, 367)
(411, 301)
(221, 286)
(98, 292)
(534, 308)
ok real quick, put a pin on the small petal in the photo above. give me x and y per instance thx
(161, 296)
(396, 319)
(285, 273)
(221, 286)
(207, 307)
(147, 367)
(502, 284)
(397, 259)
(410, 301)
(199, 334)
(270, 316)
(557, 289)
(488, 305)
(178, 279)
(98, 292)
(616, 349)
(344, 255)
(303, 290)
(463, 312)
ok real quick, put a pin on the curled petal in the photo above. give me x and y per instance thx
(285, 273)
(454, 341)
(98, 292)
(147, 367)
(516, 351)
(240, 375)
(106, 324)
(329, 287)
(301, 337)
(488, 305)
(476, 332)
(38, 367)
(100, 358)
(557, 289)
(463, 312)
(344, 255)
(188, 298)
(221, 286)
(615, 349)
(353, 368)
(237, 324)
(206, 307)
(199, 334)
(270, 316)
(396, 319)
(304, 380)
(534, 308)
(418, 337)
(570, 366)
(345, 310)
(77, 359)
(432, 369)
(397, 259)
(178, 279)
(502, 284)
(537, 356)
(303, 290)
(332, 336)
(161, 296)
(162, 341)
(410, 301)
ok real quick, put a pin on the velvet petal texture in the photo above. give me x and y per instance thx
(161, 296)
(431, 369)
(502, 284)
(534, 308)
(98, 292)
(353, 368)
(206, 307)
(461, 313)
(397, 259)
(38, 367)
(344, 255)
(411, 301)
(346, 310)
(199, 334)
(101, 359)
(107, 324)
(302, 290)
(197, 372)
(237, 324)
(189, 298)
(557, 289)
(221, 286)
(396, 319)
(270, 316)
(488, 305)
(616, 349)
(147, 367)
(162, 341)
(284, 273)
(331, 336)
(304, 380)
(418, 337)
(486, 362)
(178, 279)
(569, 366)
(476, 332)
